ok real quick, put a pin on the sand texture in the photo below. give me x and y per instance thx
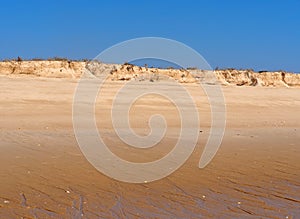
(43, 174)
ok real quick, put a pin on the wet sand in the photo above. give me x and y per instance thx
(43, 174)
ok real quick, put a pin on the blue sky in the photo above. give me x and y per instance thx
(259, 34)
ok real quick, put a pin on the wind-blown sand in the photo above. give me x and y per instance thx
(43, 174)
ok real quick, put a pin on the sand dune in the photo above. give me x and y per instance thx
(75, 69)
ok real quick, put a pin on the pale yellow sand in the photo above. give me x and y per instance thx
(43, 173)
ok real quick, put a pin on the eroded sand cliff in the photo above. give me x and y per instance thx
(75, 69)
(51, 69)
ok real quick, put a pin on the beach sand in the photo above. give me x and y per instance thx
(43, 173)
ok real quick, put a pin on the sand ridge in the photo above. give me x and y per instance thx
(75, 69)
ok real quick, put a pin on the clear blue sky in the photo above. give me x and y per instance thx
(259, 34)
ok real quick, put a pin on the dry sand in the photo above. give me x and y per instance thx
(43, 174)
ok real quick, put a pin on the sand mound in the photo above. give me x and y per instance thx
(51, 69)
(128, 72)
(276, 79)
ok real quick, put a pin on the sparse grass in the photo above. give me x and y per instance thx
(192, 68)
(57, 59)
(234, 69)
(19, 59)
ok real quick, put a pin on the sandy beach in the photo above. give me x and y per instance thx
(150, 109)
(43, 173)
